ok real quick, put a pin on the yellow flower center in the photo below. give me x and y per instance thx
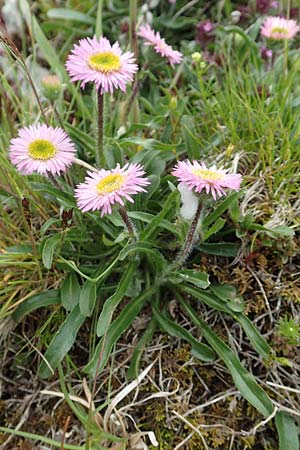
(105, 62)
(209, 175)
(110, 183)
(41, 149)
(279, 30)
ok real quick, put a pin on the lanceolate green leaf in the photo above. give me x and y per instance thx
(47, 298)
(217, 226)
(154, 226)
(70, 292)
(243, 380)
(112, 302)
(49, 248)
(144, 247)
(65, 198)
(87, 300)
(147, 218)
(199, 279)
(62, 342)
(256, 339)
(133, 369)
(287, 431)
(219, 248)
(118, 326)
(225, 204)
(70, 14)
(199, 350)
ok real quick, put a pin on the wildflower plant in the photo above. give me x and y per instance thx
(132, 224)
(98, 62)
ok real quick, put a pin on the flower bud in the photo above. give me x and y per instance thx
(51, 87)
(173, 102)
(235, 16)
(197, 57)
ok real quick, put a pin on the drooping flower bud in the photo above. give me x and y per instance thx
(51, 87)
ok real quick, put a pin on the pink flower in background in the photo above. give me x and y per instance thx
(198, 177)
(279, 29)
(42, 149)
(103, 188)
(160, 46)
(263, 6)
(97, 61)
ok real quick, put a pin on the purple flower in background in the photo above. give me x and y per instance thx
(263, 6)
(205, 32)
(266, 53)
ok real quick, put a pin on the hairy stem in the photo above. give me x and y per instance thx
(189, 239)
(100, 148)
(126, 220)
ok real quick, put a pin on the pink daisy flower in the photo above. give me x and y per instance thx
(103, 188)
(279, 29)
(160, 45)
(42, 149)
(97, 61)
(198, 177)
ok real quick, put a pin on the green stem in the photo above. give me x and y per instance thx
(132, 27)
(286, 55)
(189, 239)
(98, 30)
(39, 438)
(64, 390)
(94, 386)
(100, 153)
